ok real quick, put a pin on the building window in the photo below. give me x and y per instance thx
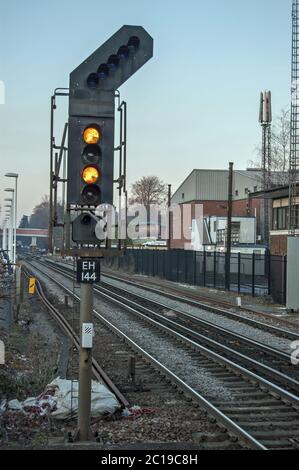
(246, 190)
(237, 192)
(255, 189)
(275, 219)
(183, 196)
(280, 218)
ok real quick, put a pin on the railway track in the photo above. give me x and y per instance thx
(97, 371)
(192, 300)
(261, 413)
(198, 297)
(272, 362)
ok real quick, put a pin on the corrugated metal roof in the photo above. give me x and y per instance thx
(212, 185)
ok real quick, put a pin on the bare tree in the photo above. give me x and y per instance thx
(280, 149)
(40, 214)
(149, 190)
(281, 143)
(24, 223)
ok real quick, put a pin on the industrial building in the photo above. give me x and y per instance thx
(210, 189)
(279, 203)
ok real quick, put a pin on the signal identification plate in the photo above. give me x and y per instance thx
(88, 270)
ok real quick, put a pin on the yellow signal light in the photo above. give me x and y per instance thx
(91, 135)
(90, 174)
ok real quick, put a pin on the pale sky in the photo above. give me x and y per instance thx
(194, 105)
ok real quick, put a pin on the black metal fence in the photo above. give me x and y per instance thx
(252, 274)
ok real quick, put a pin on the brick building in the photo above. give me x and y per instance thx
(279, 202)
(209, 188)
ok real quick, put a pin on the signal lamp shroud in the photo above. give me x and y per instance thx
(134, 42)
(91, 154)
(91, 195)
(103, 71)
(93, 80)
(123, 52)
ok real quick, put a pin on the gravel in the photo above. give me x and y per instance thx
(175, 419)
(232, 325)
(172, 355)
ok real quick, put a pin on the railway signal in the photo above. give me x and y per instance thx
(92, 115)
(90, 177)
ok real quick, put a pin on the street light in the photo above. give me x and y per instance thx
(15, 175)
(4, 235)
(13, 222)
(11, 237)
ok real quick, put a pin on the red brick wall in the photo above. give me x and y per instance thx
(279, 244)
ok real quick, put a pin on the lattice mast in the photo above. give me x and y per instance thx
(294, 146)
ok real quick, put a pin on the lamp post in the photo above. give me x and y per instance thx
(11, 225)
(9, 239)
(14, 223)
(4, 236)
(15, 176)
(7, 230)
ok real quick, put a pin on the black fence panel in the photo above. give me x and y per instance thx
(249, 273)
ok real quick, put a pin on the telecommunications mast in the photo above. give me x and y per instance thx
(294, 148)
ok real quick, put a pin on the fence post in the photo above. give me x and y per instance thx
(153, 262)
(227, 270)
(253, 275)
(186, 266)
(215, 269)
(239, 272)
(284, 259)
(204, 268)
(194, 267)
(269, 272)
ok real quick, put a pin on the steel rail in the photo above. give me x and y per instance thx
(293, 383)
(258, 324)
(276, 391)
(200, 321)
(235, 316)
(252, 362)
(208, 406)
(98, 372)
